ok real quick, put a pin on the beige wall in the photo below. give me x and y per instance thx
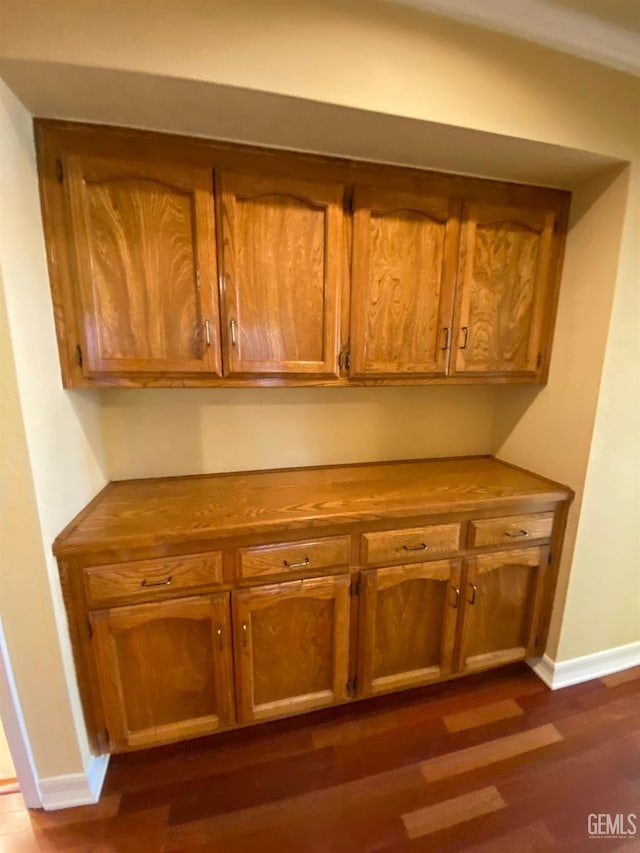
(375, 57)
(52, 462)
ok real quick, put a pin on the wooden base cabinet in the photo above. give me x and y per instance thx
(407, 625)
(164, 669)
(292, 647)
(502, 596)
(205, 603)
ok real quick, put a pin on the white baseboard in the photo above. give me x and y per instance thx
(558, 674)
(74, 789)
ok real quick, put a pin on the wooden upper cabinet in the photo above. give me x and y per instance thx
(165, 669)
(291, 643)
(282, 259)
(144, 240)
(506, 284)
(407, 625)
(501, 597)
(403, 272)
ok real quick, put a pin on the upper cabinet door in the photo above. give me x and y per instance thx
(404, 261)
(504, 284)
(144, 237)
(282, 259)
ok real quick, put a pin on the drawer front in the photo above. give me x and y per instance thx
(511, 530)
(411, 544)
(147, 580)
(294, 558)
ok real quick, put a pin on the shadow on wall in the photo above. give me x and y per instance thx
(154, 432)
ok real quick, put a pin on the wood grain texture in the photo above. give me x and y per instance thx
(294, 558)
(407, 625)
(412, 544)
(452, 812)
(510, 529)
(463, 720)
(145, 265)
(321, 783)
(505, 283)
(291, 647)
(156, 512)
(403, 273)
(165, 669)
(281, 266)
(417, 209)
(501, 596)
(145, 580)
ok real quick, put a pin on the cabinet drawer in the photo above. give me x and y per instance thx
(145, 580)
(510, 530)
(410, 544)
(294, 557)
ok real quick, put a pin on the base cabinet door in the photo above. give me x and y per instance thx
(501, 607)
(166, 670)
(407, 625)
(291, 643)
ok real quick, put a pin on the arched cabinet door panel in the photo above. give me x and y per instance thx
(403, 273)
(505, 289)
(281, 275)
(501, 600)
(145, 266)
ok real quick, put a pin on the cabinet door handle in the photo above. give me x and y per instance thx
(447, 338)
(515, 534)
(421, 547)
(245, 628)
(465, 339)
(456, 602)
(207, 334)
(301, 564)
(232, 331)
(219, 635)
(148, 584)
(474, 592)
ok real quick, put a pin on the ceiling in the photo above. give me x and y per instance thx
(619, 13)
(603, 31)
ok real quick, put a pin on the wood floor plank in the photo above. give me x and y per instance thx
(469, 719)
(525, 839)
(621, 677)
(438, 816)
(491, 752)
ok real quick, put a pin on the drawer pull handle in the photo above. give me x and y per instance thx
(245, 628)
(474, 592)
(457, 599)
(465, 340)
(148, 584)
(516, 534)
(447, 338)
(300, 565)
(232, 330)
(421, 547)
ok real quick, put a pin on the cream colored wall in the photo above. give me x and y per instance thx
(371, 56)
(162, 432)
(51, 463)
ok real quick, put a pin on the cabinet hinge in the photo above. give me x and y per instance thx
(347, 201)
(352, 687)
(59, 171)
(78, 356)
(344, 360)
(355, 587)
(539, 360)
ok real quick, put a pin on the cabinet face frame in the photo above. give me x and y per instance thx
(371, 321)
(467, 328)
(536, 558)
(375, 581)
(192, 184)
(213, 609)
(247, 602)
(241, 299)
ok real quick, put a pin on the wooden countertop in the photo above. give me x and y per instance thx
(142, 513)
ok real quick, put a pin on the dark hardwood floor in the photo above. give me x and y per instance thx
(486, 764)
